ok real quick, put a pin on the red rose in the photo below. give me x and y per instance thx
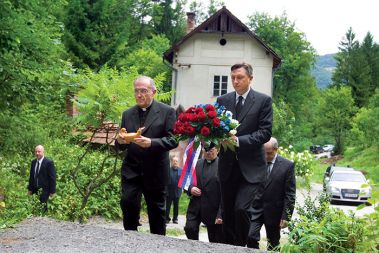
(201, 116)
(205, 131)
(198, 110)
(212, 114)
(183, 117)
(216, 122)
(178, 128)
(190, 110)
(210, 108)
(192, 117)
(190, 130)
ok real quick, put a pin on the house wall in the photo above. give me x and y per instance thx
(201, 57)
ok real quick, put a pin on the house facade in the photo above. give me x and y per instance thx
(201, 61)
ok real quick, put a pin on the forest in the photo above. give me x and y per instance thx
(89, 52)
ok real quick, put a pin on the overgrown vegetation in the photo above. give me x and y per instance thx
(320, 228)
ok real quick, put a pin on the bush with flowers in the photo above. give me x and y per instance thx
(302, 160)
(206, 123)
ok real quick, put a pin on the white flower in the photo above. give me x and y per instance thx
(233, 132)
(234, 121)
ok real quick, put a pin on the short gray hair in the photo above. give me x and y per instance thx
(274, 142)
(151, 81)
(246, 66)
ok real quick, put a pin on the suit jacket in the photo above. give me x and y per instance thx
(46, 177)
(280, 192)
(207, 206)
(151, 163)
(254, 130)
(174, 191)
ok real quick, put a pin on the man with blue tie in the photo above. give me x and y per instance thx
(42, 178)
(242, 173)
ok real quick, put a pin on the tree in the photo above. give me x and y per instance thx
(147, 57)
(100, 32)
(204, 12)
(357, 67)
(283, 128)
(338, 109)
(31, 53)
(293, 82)
(169, 20)
(365, 129)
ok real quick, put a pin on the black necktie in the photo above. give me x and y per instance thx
(269, 169)
(239, 106)
(38, 166)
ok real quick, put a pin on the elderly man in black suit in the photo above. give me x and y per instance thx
(278, 198)
(242, 173)
(173, 191)
(42, 176)
(205, 203)
(146, 164)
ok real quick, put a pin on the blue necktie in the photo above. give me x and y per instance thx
(239, 106)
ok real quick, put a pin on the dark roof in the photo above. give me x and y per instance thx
(223, 21)
(107, 133)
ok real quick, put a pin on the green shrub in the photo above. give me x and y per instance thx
(322, 229)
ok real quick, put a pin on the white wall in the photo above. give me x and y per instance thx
(201, 57)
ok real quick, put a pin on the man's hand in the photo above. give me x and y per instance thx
(121, 137)
(29, 192)
(143, 142)
(283, 223)
(52, 195)
(195, 191)
(218, 221)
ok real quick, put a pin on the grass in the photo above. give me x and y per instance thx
(366, 160)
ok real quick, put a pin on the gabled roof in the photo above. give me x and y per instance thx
(223, 21)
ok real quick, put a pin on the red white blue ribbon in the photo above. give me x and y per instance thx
(190, 157)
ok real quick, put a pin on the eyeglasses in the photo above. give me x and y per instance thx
(141, 91)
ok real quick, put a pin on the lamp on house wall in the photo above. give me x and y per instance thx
(222, 41)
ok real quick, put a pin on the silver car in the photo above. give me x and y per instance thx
(349, 186)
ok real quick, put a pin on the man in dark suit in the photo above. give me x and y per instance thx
(242, 173)
(173, 191)
(42, 176)
(205, 203)
(146, 164)
(278, 198)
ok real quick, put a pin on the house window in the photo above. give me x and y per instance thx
(220, 85)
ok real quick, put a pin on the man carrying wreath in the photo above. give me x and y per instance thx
(242, 172)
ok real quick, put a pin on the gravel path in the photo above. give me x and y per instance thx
(41, 234)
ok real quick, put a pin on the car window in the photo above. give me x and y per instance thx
(350, 177)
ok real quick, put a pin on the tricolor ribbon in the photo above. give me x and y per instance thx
(188, 176)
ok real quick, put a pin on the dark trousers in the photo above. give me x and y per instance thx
(272, 233)
(215, 233)
(43, 197)
(241, 200)
(131, 193)
(175, 202)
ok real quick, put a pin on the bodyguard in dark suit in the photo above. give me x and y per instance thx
(42, 176)
(173, 191)
(242, 173)
(205, 203)
(278, 198)
(146, 164)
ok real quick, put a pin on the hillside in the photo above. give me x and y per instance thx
(323, 70)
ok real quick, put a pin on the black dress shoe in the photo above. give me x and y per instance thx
(175, 221)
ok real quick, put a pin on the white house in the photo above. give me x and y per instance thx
(201, 60)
